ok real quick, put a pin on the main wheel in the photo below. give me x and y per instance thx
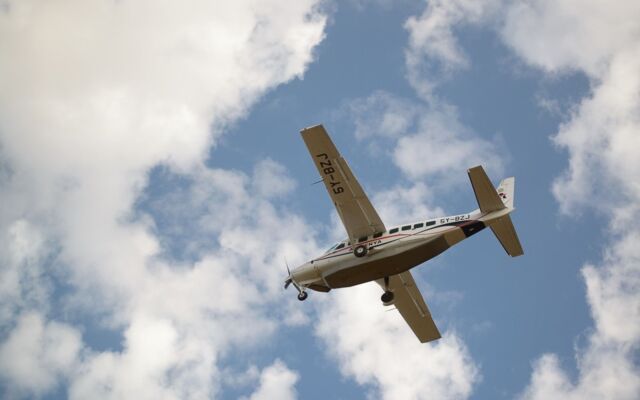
(387, 297)
(302, 296)
(360, 251)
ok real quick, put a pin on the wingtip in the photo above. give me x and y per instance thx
(308, 128)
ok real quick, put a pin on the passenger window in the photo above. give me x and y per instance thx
(420, 225)
(394, 230)
(429, 223)
(377, 235)
(406, 227)
(362, 239)
(341, 245)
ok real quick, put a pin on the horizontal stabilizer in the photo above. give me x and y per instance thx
(486, 194)
(506, 234)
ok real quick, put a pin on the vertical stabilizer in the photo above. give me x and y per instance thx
(505, 191)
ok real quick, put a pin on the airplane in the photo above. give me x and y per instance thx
(374, 253)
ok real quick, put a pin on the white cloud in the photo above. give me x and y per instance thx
(23, 282)
(93, 95)
(600, 39)
(377, 348)
(37, 353)
(425, 139)
(271, 179)
(607, 365)
(442, 146)
(276, 382)
(401, 204)
(569, 35)
(382, 115)
(433, 50)
(197, 312)
(601, 138)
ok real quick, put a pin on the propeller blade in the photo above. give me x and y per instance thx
(289, 279)
(287, 264)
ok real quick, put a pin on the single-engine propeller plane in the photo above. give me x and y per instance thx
(374, 253)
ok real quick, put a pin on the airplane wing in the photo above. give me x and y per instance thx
(414, 310)
(354, 208)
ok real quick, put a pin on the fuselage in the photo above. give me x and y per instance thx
(389, 253)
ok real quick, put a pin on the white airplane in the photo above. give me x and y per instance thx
(374, 253)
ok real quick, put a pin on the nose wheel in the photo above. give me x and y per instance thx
(302, 296)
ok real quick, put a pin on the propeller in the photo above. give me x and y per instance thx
(302, 295)
(289, 279)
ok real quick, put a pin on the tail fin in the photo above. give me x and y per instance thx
(489, 200)
(505, 191)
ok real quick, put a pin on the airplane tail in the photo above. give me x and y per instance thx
(500, 202)
(505, 191)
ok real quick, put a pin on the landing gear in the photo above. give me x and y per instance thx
(360, 251)
(302, 296)
(387, 297)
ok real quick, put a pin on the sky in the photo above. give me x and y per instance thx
(153, 187)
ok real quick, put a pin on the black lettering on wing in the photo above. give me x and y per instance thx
(325, 164)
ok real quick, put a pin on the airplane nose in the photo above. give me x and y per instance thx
(305, 273)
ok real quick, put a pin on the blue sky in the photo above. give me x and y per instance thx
(153, 181)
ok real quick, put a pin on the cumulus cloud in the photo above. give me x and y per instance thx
(401, 204)
(571, 38)
(271, 179)
(377, 348)
(433, 51)
(439, 145)
(93, 95)
(599, 39)
(23, 281)
(426, 140)
(382, 115)
(37, 353)
(426, 137)
(601, 138)
(276, 382)
(607, 365)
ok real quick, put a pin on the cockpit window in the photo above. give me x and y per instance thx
(341, 245)
(333, 247)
